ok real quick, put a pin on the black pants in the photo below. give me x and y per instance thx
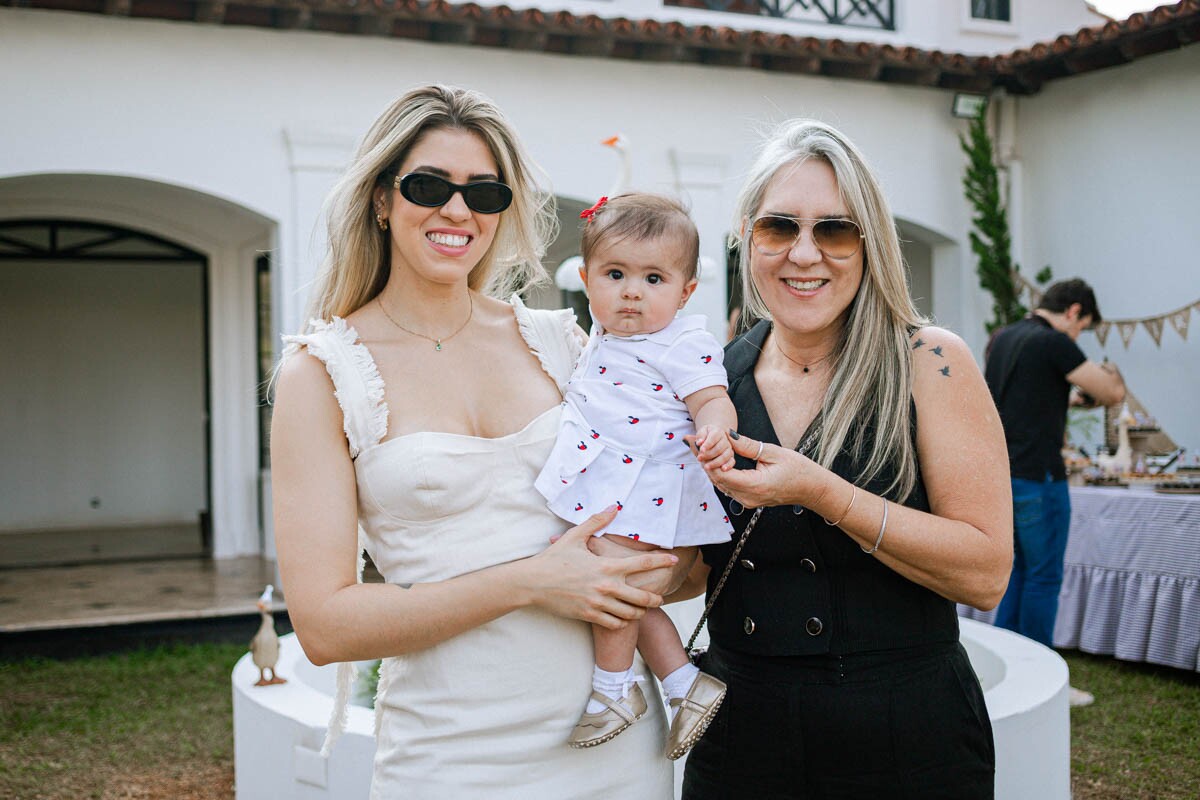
(906, 724)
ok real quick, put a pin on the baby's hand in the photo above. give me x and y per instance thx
(713, 447)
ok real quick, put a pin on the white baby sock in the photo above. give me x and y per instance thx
(611, 685)
(680, 681)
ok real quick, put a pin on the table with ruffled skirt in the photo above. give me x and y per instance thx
(1131, 577)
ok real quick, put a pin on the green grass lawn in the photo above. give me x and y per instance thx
(1141, 738)
(159, 724)
(142, 724)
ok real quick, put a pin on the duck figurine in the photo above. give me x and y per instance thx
(264, 647)
(1121, 461)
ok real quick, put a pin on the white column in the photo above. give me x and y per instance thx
(232, 399)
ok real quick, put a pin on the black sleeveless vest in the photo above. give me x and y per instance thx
(802, 587)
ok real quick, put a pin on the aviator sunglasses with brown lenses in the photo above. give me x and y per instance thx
(836, 238)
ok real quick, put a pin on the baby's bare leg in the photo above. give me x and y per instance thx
(659, 644)
(659, 641)
(614, 648)
(654, 636)
(694, 696)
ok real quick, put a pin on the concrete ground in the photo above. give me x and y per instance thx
(131, 592)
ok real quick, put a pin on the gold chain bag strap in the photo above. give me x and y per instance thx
(697, 653)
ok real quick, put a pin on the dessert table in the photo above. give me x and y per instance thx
(1131, 577)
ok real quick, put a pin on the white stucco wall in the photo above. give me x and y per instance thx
(1112, 188)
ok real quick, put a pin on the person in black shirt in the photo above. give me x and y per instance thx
(839, 639)
(1030, 368)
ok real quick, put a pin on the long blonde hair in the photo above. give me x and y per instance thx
(872, 382)
(358, 262)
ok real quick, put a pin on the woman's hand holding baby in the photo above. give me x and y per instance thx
(568, 580)
(664, 580)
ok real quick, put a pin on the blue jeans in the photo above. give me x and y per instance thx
(1041, 520)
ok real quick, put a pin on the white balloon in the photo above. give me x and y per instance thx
(566, 277)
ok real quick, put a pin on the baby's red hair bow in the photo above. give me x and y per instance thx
(588, 213)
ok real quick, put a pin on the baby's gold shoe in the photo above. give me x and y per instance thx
(693, 713)
(598, 728)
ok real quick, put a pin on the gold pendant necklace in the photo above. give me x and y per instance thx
(437, 342)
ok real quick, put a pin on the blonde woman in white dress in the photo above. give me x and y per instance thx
(412, 417)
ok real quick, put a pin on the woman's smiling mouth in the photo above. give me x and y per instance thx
(448, 239)
(806, 286)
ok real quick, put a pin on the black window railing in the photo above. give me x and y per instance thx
(879, 14)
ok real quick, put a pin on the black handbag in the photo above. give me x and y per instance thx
(696, 654)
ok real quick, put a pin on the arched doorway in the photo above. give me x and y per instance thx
(105, 433)
(152, 302)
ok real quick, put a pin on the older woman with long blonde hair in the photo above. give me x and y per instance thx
(415, 412)
(871, 446)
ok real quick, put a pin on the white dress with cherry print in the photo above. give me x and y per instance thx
(621, 437)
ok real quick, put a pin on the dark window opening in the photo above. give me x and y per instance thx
(266, 355)
(998, 10)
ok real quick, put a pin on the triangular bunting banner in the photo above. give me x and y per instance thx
(1154, 325)
(1126, 329)
(1179, 321)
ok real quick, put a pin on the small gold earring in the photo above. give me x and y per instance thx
(381, 220)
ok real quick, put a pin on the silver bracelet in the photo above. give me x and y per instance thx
(882, 528)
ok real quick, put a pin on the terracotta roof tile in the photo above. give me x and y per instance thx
(593, 24)
(1024, 70)
(623, 27)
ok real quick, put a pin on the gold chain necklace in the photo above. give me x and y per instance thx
(804, 367)
(437, 342)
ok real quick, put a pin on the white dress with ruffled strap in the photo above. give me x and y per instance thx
(486, 713)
